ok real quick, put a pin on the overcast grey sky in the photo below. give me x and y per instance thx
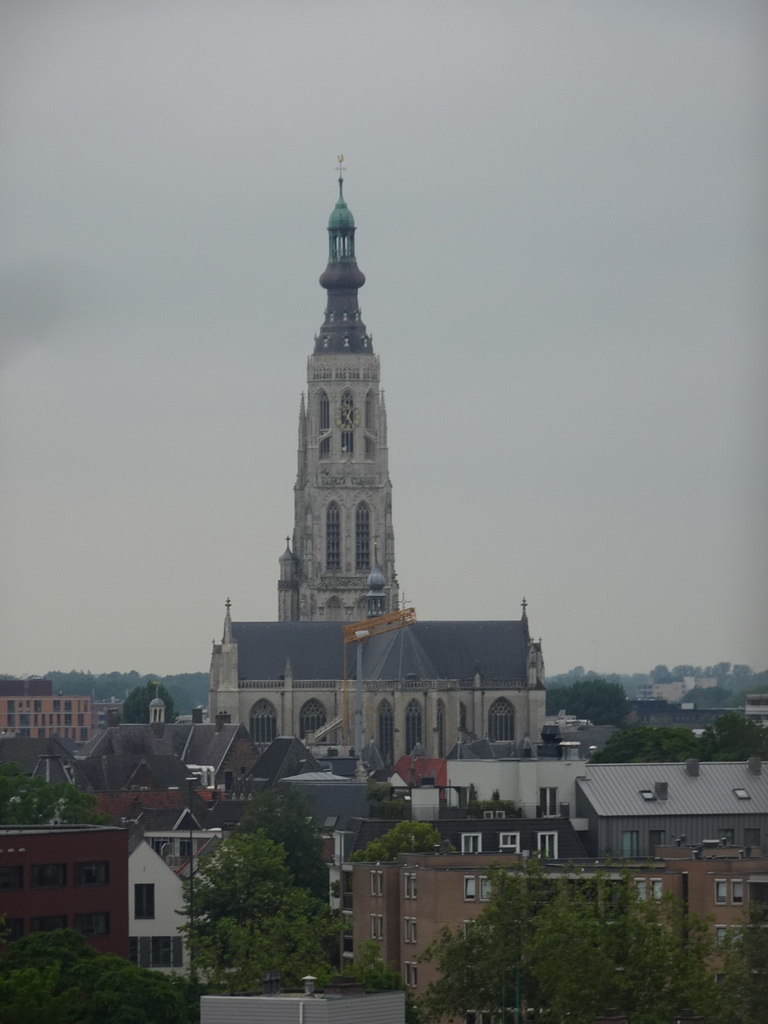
(561, 216)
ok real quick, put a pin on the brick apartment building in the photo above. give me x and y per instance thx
(66, 876)
(404, 905)
(29, 708)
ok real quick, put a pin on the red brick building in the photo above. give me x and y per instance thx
(66, 876)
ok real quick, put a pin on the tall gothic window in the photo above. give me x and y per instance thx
(263, 722)
(440, 729)
(333, 610)
(347, 423)
(324, 411)
(412, 726)
(386, 732)
(462, 716)
(369, 410)
(362, 537)
(501, 720)
(311, 717)
(333, 538)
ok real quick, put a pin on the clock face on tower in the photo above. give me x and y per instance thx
(347, 417)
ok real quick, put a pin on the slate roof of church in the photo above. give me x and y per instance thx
(616, 789)
(426, 650)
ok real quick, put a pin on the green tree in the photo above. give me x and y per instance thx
(602, 702)
(645, 743)
(283, 817)
(249, 918)
(371, 971)
(136, 704)
(57, 976)
(540, 937)
(732, 737)
(743, 991)
(33, 801)
(405, 837)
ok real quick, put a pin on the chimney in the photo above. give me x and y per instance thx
(692, 767)
(661, 789)
(223, 718)
(755, 765)
(309, 984)
(197, 715)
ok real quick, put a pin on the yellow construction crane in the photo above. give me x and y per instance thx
(358, 633)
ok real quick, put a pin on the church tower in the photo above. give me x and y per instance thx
(343, 494)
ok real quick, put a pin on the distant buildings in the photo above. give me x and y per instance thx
(28, 708)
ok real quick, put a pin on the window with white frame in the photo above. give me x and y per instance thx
(409, 886)
(721, 890)
(548, 801)
(467, 925)
(470, 887)
(509, 841)
(485, 887)
(720, 932)
(641, 887)
(411, 974)
(377, 883)
(737, 891)
(409, 929)
(471, 842)
(656, 889)
(377, 926)
(546, 843)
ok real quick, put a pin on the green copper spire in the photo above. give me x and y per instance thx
(341, 227)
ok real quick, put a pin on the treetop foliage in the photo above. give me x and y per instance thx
(58, 977)
(602, 702)
(405, 837)
(730, 738)
(136, 704)
(33, 801)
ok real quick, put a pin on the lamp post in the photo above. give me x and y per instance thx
(191, 779)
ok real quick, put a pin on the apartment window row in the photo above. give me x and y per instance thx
(409, 886)
(546, 843)
(156, 951)
(411, 973)
(737, 891)
(377, 883)
(474, 886)
(409, 929)
(377, 926)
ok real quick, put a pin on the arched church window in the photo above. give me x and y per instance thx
(370, 448)
(362, 537)
(386, 732)
(347, 423)
(462, 716)
(324, 411)
(369, 410)
(440, 728)
(325, 447)
(501, 720)
(333, 537)
(311, 717)
(333, 610)
(412, 726)
(263, 722)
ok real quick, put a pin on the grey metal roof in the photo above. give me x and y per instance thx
(615, 789)
(426, 650)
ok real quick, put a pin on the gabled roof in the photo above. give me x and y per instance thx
(414, 769)
(333, 802)
(194, 743)
(425, 650)
(616, 789)
(26, 751)
(122, 772)
(285, 756)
